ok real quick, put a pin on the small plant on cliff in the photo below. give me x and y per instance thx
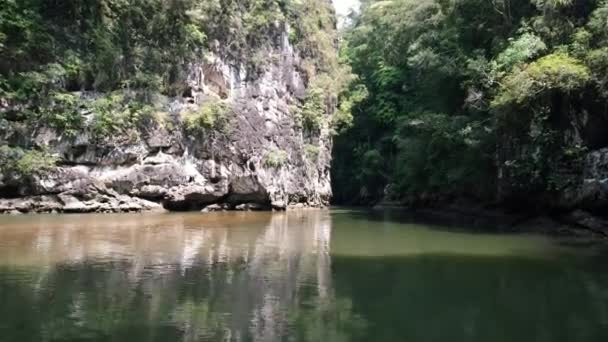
(212, 115)
(25, 163)
(312, 115)
(352, 96)
(324, 93)
(62, 113)
(120, 113)
(275, 158)
(312, 152)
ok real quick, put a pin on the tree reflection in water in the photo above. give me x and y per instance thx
(299, 276)
(191, 277)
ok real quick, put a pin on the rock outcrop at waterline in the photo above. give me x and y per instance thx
(260, 158)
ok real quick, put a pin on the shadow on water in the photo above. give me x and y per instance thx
(460, 298)
(452, 222)
(489, 224)
(302, 276)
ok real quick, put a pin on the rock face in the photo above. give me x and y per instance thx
(578, 181)
(564, 173)
(590, 193)
(593, 191)
(258, 160)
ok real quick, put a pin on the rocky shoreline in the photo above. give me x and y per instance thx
(114, 203)
(578, 209)
(576, 223)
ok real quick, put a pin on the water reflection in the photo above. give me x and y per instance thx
(298, 276)
(162, 277)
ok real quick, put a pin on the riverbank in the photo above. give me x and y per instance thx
(576, 223)
(112, 202)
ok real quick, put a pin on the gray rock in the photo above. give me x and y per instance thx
(214, 207)
(591, 192)
(278, 205)
(588, 221)
(251, 207)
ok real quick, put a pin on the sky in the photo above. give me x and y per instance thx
(343, 6)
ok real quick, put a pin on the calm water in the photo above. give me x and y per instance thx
(300, 276)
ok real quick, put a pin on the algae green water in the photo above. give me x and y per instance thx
(335, 275)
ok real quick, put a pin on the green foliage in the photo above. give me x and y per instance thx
(524, 104)
(413, 58)
(314, 34)
(25, 163)
(552, 4)
(102, 44)
(520, 50)
(456, 88)
(597, 23)
(343, 118)
(544, 163)
(314, 109)
(552, 72)
(245, 27)
(35, 162)
(212, 115)
(371, 161)
(443, 154)
(63, 113)
(322, 94)
(119, 113)
(597, 60)
(109, 117)
(148, 44)
(275, 158)
(44, 102)
(312, 152)
(49, 51)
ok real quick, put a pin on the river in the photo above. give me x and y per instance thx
(326, 275)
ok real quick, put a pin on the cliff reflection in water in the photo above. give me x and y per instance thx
(272, 277)
(249, 276)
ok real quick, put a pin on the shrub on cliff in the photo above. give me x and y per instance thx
(312, 152)
(20, 163)
(553, 72)
(119, 113)
(212, 115)
(275, 158)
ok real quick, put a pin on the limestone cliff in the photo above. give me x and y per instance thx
(232, 139)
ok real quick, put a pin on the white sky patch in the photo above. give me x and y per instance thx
(343, 7)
